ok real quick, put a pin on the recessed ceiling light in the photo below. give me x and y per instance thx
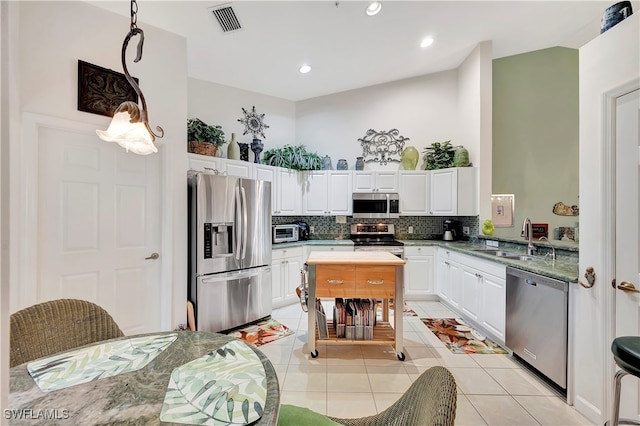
(305, 69)
(373, 8)
(426, 42)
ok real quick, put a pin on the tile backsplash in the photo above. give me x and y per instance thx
(424, 227)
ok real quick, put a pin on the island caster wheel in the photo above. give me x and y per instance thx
(314, 354)
(401, 356)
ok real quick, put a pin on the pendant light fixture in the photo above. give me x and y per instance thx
(129, 127)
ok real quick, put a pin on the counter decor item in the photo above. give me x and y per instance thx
(342, 164)
(326, 163)
(562, 209)
(384, 147)
(244, 151)
(461, 157)
(487, 227)
(359, 163)
(256, 147)
(202, 138)
(409, 158)
(615, 14)
(233, 150)
(439, 155)
(293, 157)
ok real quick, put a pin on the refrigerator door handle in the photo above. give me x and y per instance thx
(244, 222)
(238, 230)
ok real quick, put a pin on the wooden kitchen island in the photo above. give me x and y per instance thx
(358, 274)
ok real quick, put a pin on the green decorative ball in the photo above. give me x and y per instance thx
(461, 157)
(409, 158)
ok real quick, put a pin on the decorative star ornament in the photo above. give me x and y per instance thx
(253, 122)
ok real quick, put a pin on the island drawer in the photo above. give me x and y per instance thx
(335, 280)
(376, 281)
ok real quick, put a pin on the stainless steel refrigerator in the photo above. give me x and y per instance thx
(229, 250)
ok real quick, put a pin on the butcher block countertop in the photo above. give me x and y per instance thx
(353, 258)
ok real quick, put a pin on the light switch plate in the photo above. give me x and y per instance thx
(311, 230)
(492, 243)
(341, 219)
(411, 229)
(465, 230)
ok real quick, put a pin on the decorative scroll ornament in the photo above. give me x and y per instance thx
(384, 147)
(253, 122)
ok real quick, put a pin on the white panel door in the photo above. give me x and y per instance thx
(413, 189)
(628, 234)
(288, 193)
(315, 193)
(444, 192)
(340, 198)
(471, 292)
(98, 219)
(268, 173)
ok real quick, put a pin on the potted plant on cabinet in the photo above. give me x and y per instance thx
(203, 138)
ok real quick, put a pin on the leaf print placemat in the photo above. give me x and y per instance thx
(227, 386)
(98, 361)
(460, 338)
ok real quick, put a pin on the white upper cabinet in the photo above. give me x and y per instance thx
(326, 192)
(242, 169)
(454, 192)
(288, 202)
(414, 192)
(268, 173)
(375, 181)
(203, 163)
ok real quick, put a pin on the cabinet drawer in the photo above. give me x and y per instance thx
(335, 281)
(375, 281)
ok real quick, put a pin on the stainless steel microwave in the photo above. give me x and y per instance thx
(376, 205)
(285, 233)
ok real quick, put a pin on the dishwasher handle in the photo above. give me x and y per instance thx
(531, 282)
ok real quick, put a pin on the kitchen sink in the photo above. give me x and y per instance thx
(509, 255)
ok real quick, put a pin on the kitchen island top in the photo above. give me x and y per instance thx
(353, 258)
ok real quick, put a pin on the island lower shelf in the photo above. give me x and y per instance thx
(383, 333)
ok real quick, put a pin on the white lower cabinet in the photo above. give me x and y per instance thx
(419, 273)
(475, 289)
(338, 247)
(286, 264)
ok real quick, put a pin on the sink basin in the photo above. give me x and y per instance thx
(509, 255)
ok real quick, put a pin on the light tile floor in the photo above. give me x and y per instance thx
(355, 381)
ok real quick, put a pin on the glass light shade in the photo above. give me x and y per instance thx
(373, 8)
(133, 137)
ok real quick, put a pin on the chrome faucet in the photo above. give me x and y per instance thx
(527, 232)
(553, 249)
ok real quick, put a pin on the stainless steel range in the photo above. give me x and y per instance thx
(376, 237)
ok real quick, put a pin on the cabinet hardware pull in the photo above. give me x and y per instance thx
(447, 263)
(627, 287)
(335, 281)
(375, 282)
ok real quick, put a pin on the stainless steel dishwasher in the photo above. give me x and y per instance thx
(536, 322)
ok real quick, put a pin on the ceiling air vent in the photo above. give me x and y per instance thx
(226, 17)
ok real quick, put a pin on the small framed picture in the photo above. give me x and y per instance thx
(101, 91)
(502, 206)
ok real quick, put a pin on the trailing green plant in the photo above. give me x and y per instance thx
(439, 155)
(292, 157)
(198, 130)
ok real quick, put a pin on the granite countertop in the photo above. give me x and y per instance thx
(564, 268)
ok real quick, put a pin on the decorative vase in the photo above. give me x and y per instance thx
(359, 163)
(342, 164)
(256, 147)
(244, 151)
(409, 158)
(461, 157)
(326, 163)
(233, 151)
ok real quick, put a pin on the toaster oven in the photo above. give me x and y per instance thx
(285, 233)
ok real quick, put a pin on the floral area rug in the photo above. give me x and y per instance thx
(460, 338)
(406, 311)
(262, 332)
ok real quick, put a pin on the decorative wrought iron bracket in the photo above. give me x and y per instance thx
(384, 147)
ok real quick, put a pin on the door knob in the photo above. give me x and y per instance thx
(153, 256)
(627, 287)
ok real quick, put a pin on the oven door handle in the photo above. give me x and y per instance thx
(388, 206)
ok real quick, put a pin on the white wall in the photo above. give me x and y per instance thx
(52, 37)
(475, 117)
(607, 62)
(423, 109)
(222, 105)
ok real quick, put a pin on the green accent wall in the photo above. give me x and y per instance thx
(535, 135)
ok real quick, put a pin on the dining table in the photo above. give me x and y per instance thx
(167, 378)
